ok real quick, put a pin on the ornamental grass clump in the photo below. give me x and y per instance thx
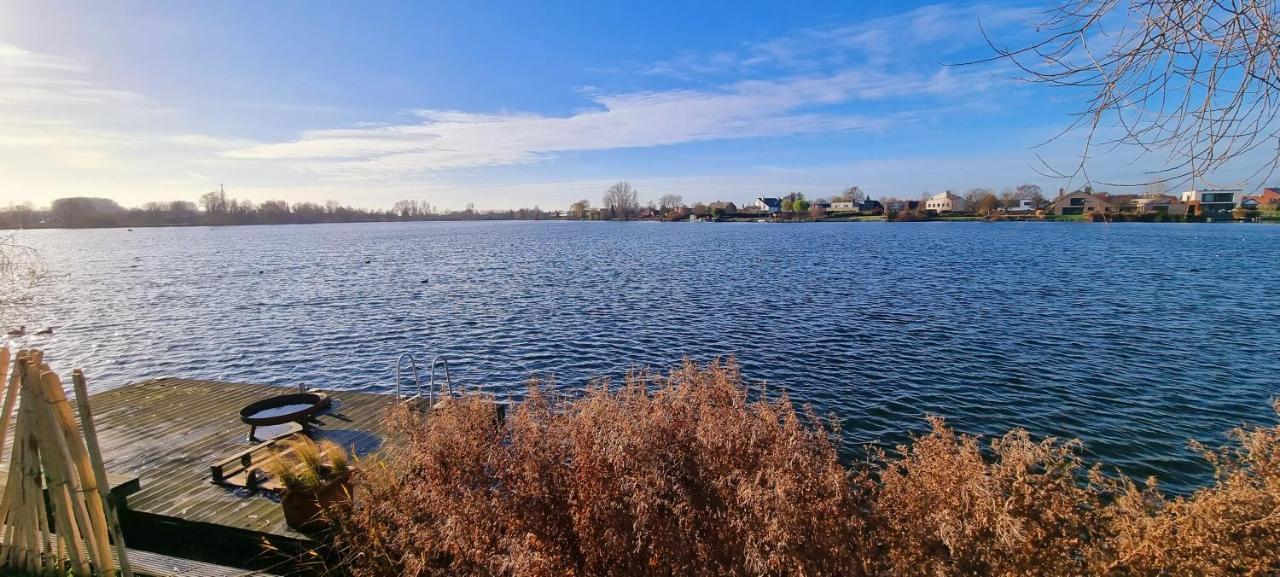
(695, 473)
(304, 465)
(946, 506)
(1229, 528)
(684, 474)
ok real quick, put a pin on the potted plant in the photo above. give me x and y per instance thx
(315, 477)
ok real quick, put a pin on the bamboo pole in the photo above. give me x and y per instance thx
(74, 526)
(80, 472)
(6, 538)
(68, 530)
(10, 395)
(44, 550)
(31, 491)
(17, 504)
(100, 469)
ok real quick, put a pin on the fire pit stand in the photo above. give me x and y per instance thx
(297, 408)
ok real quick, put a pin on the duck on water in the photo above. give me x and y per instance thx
(22, 331)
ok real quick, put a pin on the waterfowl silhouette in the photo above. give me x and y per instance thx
(20, 331)
(47, 331)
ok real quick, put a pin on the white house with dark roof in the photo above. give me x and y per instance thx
(769, 204)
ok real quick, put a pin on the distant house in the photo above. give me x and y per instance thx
(1120, 202)
(902, 205)
(822, 204)
(1079, 203)
(769, 204)
(1022, 205)
(1209, 202)
(843, 206)
(1160, 204)
(869, 206)
(724, 208)
(1250, 203)
(945, 202)
(1270, 197)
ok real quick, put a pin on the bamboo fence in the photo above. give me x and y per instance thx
(56, 513)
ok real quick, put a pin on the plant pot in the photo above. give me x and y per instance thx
(304, 509)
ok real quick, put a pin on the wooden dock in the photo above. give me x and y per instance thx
(167, 432)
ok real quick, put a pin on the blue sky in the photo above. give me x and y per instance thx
(519, 104)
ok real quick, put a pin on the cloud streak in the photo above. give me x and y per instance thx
(899, 41)
(817, 76)
(454, 139)
(61, 133)
(59, 129)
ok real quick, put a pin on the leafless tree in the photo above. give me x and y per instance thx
(1195, 80)
(621, 201)
(580, 209)
(214, 202)
(987, 204)
(851, 194)
(21, 269)
(670, 202)
(979, 196)
(1008, 197)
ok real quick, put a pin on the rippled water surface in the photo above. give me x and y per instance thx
(1133, 337)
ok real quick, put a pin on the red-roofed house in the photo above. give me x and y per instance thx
(1269, 198)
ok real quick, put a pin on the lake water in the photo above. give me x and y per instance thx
(1133, 337)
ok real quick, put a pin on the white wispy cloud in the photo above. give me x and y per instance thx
(444, 139)
(33, 79)
(63, 133)
(923, 36)
(818, 74)
(61, 130)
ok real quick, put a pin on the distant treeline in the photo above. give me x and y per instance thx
(215, 209)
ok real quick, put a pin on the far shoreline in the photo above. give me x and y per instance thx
(875, 219)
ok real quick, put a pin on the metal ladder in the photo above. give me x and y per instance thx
(438, 360)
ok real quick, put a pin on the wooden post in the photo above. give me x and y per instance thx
(10, 395)
(63, 483)
(99, 469)
(80, 472)
(10, 486)
(69, 520)
(31, 489)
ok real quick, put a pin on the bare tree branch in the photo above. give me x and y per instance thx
(21, 268)
(1195, 80)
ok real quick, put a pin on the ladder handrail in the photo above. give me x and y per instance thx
(431, 384)
(438, 360)
(417, 381)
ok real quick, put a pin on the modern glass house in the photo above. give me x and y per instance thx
(1209, 202)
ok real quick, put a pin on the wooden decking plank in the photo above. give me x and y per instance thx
(168, 431)
(153, 414)
(157, 565)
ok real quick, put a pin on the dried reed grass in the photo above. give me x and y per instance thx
(692, 474)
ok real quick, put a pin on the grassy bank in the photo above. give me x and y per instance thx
(695, 473)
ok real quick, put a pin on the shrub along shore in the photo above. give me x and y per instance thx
(697, 473)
